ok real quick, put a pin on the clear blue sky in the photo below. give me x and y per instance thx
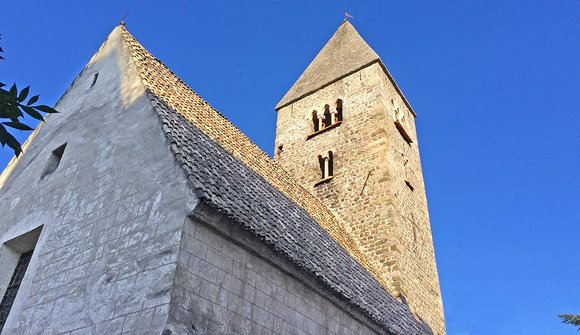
(495, 84)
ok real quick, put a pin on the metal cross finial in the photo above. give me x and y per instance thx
(347, 16)
(123, 18)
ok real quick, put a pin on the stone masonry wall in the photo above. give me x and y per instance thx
(408, 208)
(368, 192)
(112, 212)
(228, 282)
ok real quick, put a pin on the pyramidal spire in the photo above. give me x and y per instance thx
(346, 52)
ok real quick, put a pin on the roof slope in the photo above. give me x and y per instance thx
(346, 52)
(240, 179)
(243, 195)
(165, 85)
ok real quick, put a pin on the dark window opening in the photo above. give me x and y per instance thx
(13, 286)
(330, 165)
(327, 120)
(409, 185)
(315, 122)
(53, 161)
(280, 148)
(338, 110)
(95, 77)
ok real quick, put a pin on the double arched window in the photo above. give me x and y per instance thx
(326, 165)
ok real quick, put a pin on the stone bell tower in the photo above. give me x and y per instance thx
(346, 132)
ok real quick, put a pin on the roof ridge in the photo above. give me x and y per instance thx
(169, 88)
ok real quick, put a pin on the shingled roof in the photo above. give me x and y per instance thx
(235, 176)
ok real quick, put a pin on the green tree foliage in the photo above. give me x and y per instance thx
(14, 105)
(571, 319)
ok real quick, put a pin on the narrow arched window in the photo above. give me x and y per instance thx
(330, 165)
(327, 117)
(315, 122)
(322, 164)
(338, 110)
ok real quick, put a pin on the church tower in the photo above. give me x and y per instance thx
(347, 133)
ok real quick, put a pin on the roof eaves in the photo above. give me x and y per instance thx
(206, 205)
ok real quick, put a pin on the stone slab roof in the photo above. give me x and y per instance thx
(225, 167)
(345, 53)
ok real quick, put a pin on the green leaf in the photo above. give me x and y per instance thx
(7, 138)
(17, 125)
(32, 100)
(45, 109)
(7, 96)
(13, 143)
(3, 135)
(9, 111)
(13, 90)
(23, 94)
(30, 111)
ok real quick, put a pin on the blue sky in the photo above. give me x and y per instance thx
(495, 84)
